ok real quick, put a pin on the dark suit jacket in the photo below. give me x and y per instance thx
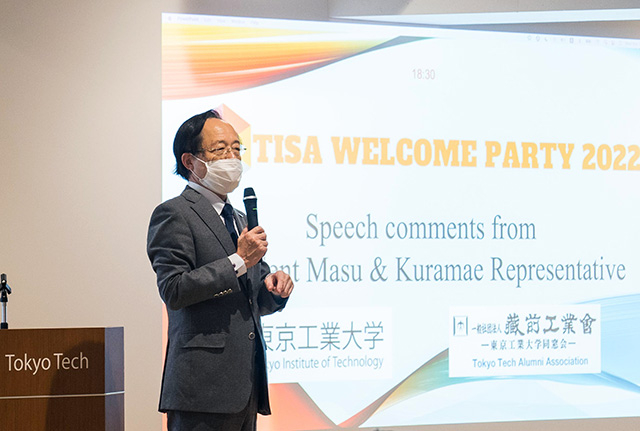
(214, 317)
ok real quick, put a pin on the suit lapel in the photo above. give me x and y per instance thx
(210, 217)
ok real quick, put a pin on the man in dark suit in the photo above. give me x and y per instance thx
(215, 285)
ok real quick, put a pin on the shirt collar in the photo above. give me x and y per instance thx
(213, 198)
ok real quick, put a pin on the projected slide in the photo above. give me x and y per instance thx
(459, 211)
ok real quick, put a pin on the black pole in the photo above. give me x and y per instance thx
(5, 290)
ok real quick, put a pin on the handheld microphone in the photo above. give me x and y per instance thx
(251, 207)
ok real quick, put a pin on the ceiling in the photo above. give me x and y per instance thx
(609, 18)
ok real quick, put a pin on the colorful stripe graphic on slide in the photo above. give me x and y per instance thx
(207, 60)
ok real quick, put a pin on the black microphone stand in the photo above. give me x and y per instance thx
(4, 291)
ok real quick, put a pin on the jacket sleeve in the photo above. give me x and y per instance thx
(267, 301)
(172, 250)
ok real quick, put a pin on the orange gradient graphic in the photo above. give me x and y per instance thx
(293, 409)
(203, 60)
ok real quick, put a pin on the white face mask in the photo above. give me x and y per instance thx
(223, 175)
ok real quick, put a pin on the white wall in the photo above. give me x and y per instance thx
(80, 167)
(79, 175)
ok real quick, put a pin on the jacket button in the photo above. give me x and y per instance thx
(252, 335)
(250, 301)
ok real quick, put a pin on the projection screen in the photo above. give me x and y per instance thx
(458, 210)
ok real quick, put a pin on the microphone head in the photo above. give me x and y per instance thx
(249, 193)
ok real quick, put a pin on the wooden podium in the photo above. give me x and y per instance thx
(62, 379)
